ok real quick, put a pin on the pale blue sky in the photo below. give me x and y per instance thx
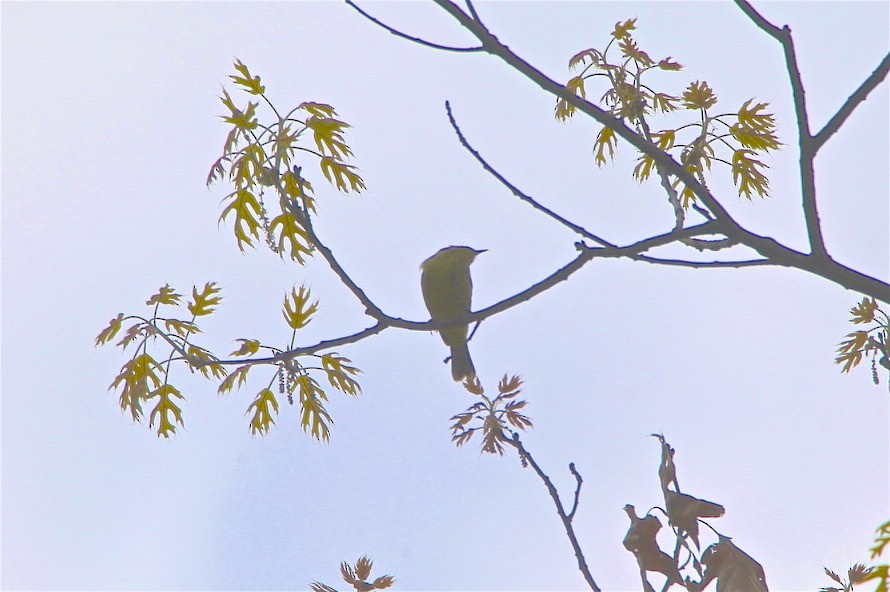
(109, 121)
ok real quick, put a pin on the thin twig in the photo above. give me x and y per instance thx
(579, 481)
(398, 33)
(852, 102)
(566, 519)
(805, 137)
(516, 191)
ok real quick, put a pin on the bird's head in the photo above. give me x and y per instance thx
(453, 256)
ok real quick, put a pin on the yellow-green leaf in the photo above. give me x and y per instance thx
(340, 372)
(248, 347)
(699, 96)
(264, 407)
(342, 175)
(605, 141)
(165, 295)
(292, 238)
(239, 375)
(746, 176)
(108, 333)
(181, 328)
(247, 212)
(314, 417)
(203, 303)
(166, 411)
(297, 309)
(250, 83)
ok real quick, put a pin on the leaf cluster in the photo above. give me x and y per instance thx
(143, 378)
(722, 561)
(358, 577)
(744, 133)
(873, 341)
(494, 417)
(259, 155)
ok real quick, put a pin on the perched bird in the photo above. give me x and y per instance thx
(447, 291)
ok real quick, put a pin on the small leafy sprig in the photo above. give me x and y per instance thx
(745, 133)
(358, 577)
(495, 416)
(258, 155)
(857, 574)
(143, 378)
(873, 341)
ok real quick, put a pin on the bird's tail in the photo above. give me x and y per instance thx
(461, 364)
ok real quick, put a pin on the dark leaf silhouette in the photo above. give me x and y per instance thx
(734, 570)
(684, 511)
(667, 471)
(640, 540)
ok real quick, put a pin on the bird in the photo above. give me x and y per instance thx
(447, 292)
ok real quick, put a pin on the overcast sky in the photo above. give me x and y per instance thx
(110, 123)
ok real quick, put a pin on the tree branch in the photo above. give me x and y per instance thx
(819, 263)
(805, 139)
(398, 33)
(515, 190)
(554, 495)
(852, 102)
(493, 46)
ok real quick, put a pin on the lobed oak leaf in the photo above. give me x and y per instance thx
(581, 57)
(247, 210)
(165, 412)
(341, 175)
(318, 109)
(699, 95)
(248, 347)
(632, 51)
(507, 385)
(363, 567)
(292, 237)
(605, 141)
(165, 295)
(622, 30)
(314, 417)
(108, 333)
(297, 310)
(864, 312)
(850, 351)
(181, 328)
(339, 371)
(670, 65)
(746, 176)
(264, 406)
(239, 375)
(203, 302)
(250, 83)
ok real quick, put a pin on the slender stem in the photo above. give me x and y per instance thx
(398, 33)
(808, 147)
(852, 102)
(560, 510)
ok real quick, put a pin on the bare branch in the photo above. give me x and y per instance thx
(852, 102)
(579, 481)
(398, 33)
(554, 495)
(515, 190)
(807, 146)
